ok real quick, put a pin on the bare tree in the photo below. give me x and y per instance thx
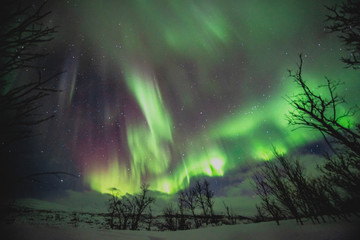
(204, 199)
(260, 214)
(141, 202)
(326, 200)
(126, 211)
(116, 213)
(268, 203)
(322, 113)
(149, 218)
(22, 32)
(315, 111)
(283, 181)
(283, 185)
(295, 173)
(344, 19)
(188, 201)
(24, 79)
(170, 218)
(181, 215)
(343, 171)
(277, 192)
(201, 199)
(209, 194)
(229, 214)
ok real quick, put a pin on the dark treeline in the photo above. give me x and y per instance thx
(193, 208)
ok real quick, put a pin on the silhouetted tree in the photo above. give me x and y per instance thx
(295, 174)
(149, 218)
(209, 194)
(21, 34)
(325, 199)
(338, 128)
(181, 215)
(284, 188)
(283, 181)
(343, 171)
(322, 113)
(277, 192)
(204, 199)
(188, 201)
(170, 218)
(141, 202)
(344, 19)
(229, 214)
(260, 214)
(117, 218)
(268, 203)
(126, 211)
(199, 195)
(24, 81)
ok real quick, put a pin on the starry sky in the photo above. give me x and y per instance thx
(166, 92)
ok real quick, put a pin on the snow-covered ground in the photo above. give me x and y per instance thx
(266, 230)
(39, 220)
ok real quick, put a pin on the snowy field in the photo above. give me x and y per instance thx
(266, 230)
(51, 222)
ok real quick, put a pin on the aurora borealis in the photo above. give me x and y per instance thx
(166, 91)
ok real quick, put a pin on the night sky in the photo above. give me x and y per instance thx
(166, 92)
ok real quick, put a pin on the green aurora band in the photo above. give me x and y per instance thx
(151, 144)
(200, 32)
